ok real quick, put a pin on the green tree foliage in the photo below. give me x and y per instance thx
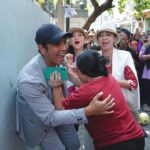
(41, 2)
(141, 5)
(121, 5)
(51, 1)
(54, 2)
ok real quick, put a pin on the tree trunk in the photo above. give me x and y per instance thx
(97, 11)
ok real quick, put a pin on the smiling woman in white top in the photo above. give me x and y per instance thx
(121, 64)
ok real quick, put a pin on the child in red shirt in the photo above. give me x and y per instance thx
(117, 131)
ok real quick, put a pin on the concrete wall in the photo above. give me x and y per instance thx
(19, 20)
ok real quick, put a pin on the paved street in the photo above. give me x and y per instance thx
(86, 144)
(147, 142)
(147, 139)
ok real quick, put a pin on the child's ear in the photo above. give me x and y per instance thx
(41, 49)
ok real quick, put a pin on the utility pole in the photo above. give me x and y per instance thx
(67, 19)
(60, 14)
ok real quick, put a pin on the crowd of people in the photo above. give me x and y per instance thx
(137, 44)
(108, 82)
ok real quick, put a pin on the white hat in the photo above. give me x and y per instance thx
(108, 28)
(73, 29)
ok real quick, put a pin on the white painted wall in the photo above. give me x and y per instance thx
(19, 19)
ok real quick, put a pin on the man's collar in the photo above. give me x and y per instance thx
(42, 61)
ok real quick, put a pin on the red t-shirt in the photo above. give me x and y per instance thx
(106, 129)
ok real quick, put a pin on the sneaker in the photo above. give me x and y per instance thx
(146, 108)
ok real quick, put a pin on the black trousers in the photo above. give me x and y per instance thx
(134, 144)
(145, 86)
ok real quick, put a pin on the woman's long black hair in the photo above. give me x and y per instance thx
(92, 63)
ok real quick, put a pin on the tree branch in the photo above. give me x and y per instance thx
(97, 11)
(94, 3)
(106, 5)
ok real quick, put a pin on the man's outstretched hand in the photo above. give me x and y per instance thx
(98, 107)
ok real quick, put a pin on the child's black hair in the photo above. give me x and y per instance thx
(92, 63)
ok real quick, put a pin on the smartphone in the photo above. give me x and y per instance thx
(62, 70)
